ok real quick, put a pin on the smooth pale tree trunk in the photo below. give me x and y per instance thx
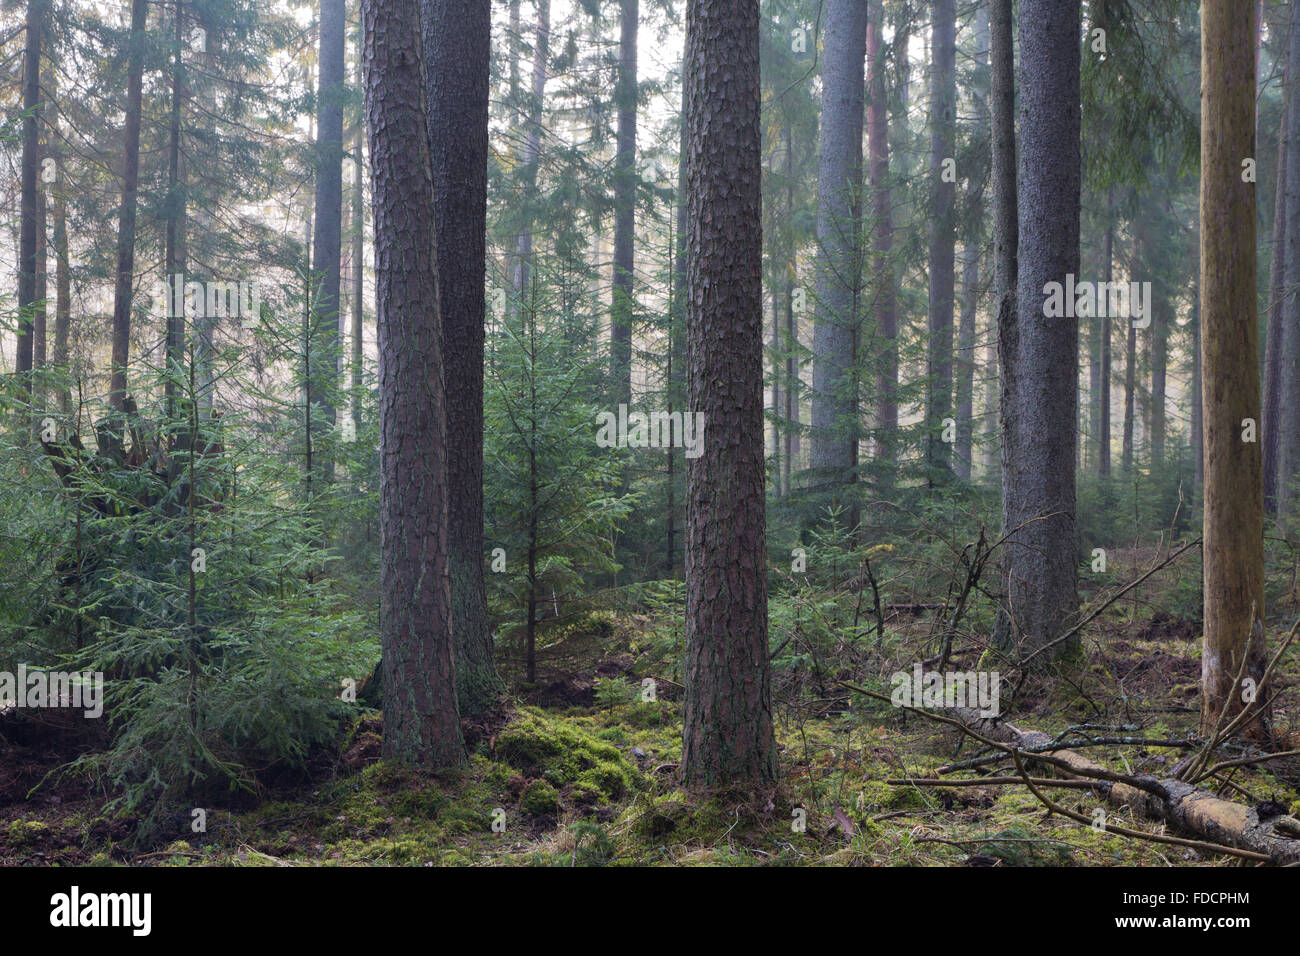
(1273, 342)
(727, 738)
(943, 192)
(882, 239)
(421, 723)
(623, 305)
(532, 149)
(839, 187)
(1107, 328)
(1234, 506)
(125, 274)
(457, 55)
(327, 237)
(1040, 442)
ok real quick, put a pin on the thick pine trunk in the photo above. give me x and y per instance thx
(457, 54)
(1040, 442)
(1234, 515)
(421, 723)
(728, 736)
(839, 185)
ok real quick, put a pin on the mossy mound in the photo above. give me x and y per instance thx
(566, 756)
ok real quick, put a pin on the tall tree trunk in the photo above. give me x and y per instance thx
(882, 239)
(456, 46)
(327, 237)
(943, 191)
(965, 359)
(532, 149)
(727, 736)
(62, 298)
(124, 285)
(1288, 448)
(1107, 330)
(28, 235)
(971, 261)
(174, 232)
(358, 239)
(1039, 445)
(1006, 230)
(791, 344)
(1274, 417)
(421, 723)
(1130, 379)
(624, 303)
(1234, 507)
(839, 185)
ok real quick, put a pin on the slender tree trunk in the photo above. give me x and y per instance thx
(327, 238)
(1130, 381)
(421, 723)
(358, 239)
(62, 298)
(965, 359)
(792, 382)
(1040, 444)
(1288, 448)
(839, 185)
(28, 236)
(727, 736)
(943, 191)
(532, 149)
(457, 54)
(1234, 507)
(624, 303)
(124, 285)
(174, 234)
(1107, 330)
(1275, 417)
(882, 239)
(1006, 230)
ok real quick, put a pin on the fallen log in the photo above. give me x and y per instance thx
(1179, 804)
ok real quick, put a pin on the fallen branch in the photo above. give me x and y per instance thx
(1236, 828)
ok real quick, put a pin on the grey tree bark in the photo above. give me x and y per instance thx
(943, 191)
(839, 267)
(623, 306)
(327, 237)
(1040, 407)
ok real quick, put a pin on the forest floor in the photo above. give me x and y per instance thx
(571, 776)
